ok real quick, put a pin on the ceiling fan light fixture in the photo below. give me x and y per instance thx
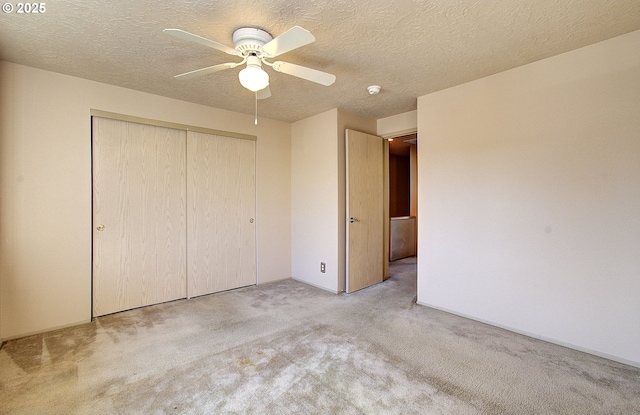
(253, 77)
(255, 46)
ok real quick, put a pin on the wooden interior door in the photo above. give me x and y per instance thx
(221, 251)
(139, 215)
(365, 210)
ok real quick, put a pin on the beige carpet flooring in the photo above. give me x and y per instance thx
(288, 348)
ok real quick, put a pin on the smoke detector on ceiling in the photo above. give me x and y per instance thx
(373, 89)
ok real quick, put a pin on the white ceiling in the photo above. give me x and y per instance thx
(410, 48)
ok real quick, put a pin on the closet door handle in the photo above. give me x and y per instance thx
(100, 228)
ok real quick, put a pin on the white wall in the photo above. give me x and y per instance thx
(45, 189)
(398, 125)
(529, 199)
(314, 200)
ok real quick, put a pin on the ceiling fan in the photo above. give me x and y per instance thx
(255, 46)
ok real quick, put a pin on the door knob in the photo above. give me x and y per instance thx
(100, 227)
(351, 220)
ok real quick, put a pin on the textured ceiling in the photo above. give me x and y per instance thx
(410, 48)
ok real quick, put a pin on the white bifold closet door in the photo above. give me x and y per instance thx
(139, 215)
(221, 210)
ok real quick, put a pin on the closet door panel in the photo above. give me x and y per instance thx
(171, 216)
(139, 209)
(221, 210)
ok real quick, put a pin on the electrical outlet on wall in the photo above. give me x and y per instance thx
(323, 267)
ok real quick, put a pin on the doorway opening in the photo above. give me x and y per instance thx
(403, 197)
(398, 203)
(403, 210)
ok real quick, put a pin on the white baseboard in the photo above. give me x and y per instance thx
(48, 329)
(270, 281)
(537, 336)
(316, 286)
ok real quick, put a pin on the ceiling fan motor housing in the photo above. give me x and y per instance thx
(250, 40)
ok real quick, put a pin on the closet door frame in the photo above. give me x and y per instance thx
(172, 125)
(175, 126)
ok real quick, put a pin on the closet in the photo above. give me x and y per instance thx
(173, 212)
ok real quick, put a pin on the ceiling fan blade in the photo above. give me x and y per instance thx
(303, 72)
(206, 71)
(289, 40)
(181, 34)
(264, 93)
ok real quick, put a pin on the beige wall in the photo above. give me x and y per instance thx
(529, 199)
(398, 125)
(314, 200)
(45, 189)
(318, 196)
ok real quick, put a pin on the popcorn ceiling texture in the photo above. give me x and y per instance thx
(410, 48)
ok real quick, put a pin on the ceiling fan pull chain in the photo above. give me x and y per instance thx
(256, 121)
